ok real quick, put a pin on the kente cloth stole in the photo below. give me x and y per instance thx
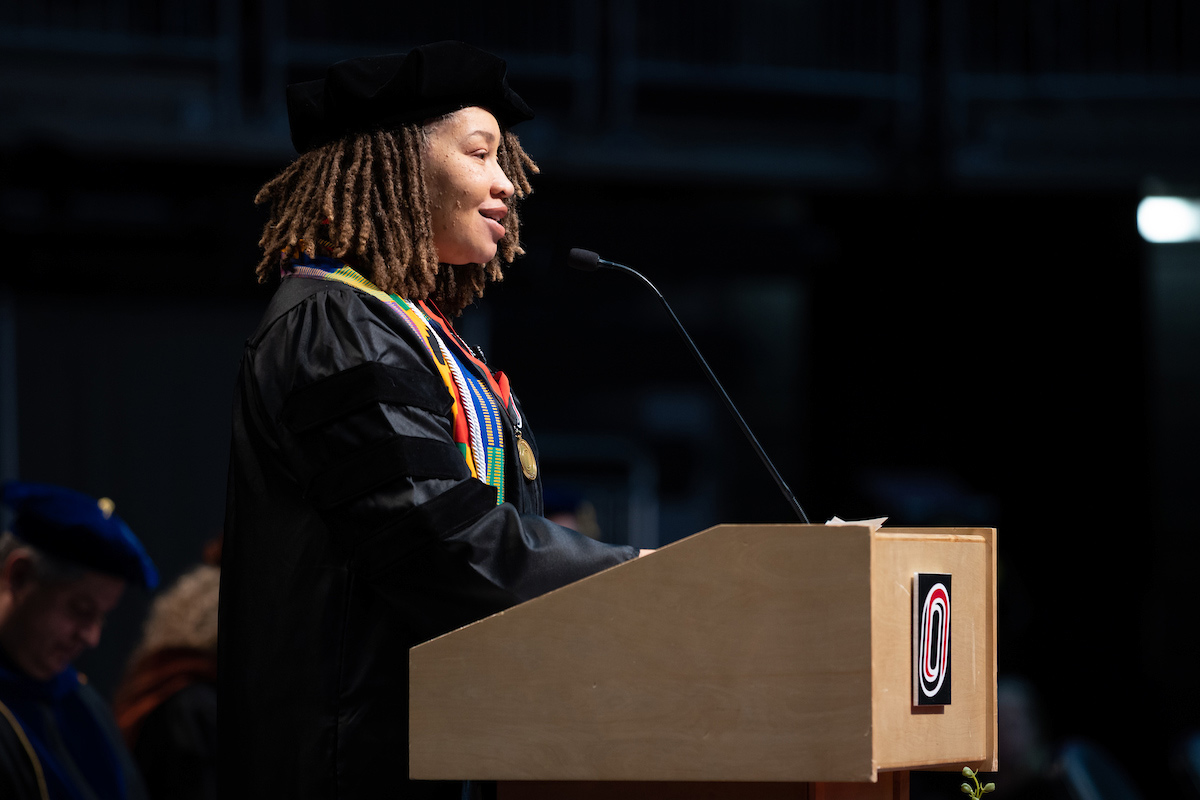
(476, 414)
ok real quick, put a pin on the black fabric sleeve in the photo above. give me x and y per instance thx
(347, 391)
(135, 788)
(17, 778)
(353, 402)
(177, 746)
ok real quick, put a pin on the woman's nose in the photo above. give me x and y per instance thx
(502, 186)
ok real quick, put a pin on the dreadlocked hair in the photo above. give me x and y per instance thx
(364, 199)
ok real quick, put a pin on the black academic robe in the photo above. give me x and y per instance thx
(353, 532)
(58, 740)
(176, 748)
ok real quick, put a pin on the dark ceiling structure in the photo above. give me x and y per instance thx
(901, 231)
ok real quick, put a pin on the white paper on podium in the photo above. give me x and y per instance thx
(873, 524)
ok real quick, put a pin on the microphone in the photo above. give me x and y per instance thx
(588, 261)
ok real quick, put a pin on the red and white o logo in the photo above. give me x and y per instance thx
(934, 648)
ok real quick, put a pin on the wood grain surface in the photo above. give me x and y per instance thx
(742, 653)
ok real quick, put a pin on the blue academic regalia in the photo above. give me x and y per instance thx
(67, 729)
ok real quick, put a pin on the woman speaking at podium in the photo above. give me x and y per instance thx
(384, 483)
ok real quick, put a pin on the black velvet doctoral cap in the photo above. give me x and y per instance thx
(384, 92)
(77, 529)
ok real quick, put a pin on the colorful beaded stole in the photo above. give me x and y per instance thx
(476, 415)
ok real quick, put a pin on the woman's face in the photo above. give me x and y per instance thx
(467, 188)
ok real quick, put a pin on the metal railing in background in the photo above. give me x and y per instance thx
(542, 40)
(851, 48)
(1104, 85)
(1081, 37)
(121, 70)
(970, 78)
(164, 20)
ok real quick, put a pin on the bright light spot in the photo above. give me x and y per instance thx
(1169, 219)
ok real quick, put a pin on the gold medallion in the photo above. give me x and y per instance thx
(526, 457)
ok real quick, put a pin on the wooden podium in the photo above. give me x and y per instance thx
(743, 661)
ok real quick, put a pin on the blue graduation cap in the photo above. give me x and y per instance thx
(73, 527)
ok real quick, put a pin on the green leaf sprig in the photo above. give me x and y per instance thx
(977, 792)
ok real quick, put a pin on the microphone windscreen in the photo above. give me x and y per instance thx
(582, 259)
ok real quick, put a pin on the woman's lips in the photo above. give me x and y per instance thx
(493, 222)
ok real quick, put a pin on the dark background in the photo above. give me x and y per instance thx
(902, 232)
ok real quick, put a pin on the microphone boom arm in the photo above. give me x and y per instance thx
(588, 260)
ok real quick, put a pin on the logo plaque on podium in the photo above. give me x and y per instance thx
(931, 639)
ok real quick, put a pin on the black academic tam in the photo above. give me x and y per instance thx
(383, 92)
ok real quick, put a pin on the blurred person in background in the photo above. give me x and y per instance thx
(570, 509)
(384, 484)
(63, 567)
(1025, 747)
(166, 704)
